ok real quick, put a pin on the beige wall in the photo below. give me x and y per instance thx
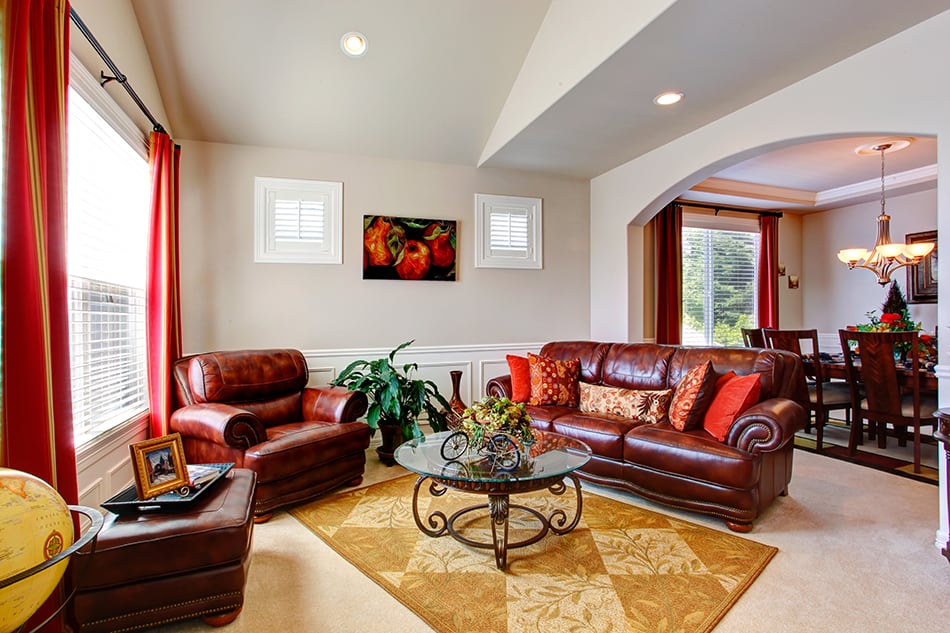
(835, 296)
(228, 301)
(790, 301)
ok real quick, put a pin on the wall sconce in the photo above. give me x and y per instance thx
(793, 282)
(781, 269)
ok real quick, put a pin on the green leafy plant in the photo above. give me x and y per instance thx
(492, 415)
(394, 395)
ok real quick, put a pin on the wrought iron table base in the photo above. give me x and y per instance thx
(499, 510)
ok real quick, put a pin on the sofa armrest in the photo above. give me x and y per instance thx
(499, 386)
(333, 404)
(767, 426)
(219, 423)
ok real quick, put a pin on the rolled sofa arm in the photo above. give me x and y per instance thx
(333, 404)
(767, 426)
(219, 423)
(499, 386)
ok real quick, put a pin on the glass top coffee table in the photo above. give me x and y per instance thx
(545, 464)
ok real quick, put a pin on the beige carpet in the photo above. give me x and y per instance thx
(622, 569)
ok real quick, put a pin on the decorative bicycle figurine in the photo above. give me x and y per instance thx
(495, 428)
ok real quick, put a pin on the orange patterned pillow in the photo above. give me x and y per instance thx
(692, 397)
(646, 405)
(553, 381)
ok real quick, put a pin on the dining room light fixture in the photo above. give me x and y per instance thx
(354, 44)
(886, 256)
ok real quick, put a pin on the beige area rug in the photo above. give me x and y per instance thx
(622, 569)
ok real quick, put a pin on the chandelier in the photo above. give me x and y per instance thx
(886, 256)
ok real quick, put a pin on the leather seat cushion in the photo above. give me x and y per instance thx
(302, 446)
(691, 454)
(215, 531)
(543, 416)
(603, 432)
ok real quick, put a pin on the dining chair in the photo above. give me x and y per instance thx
(824, 394)
(752, 337)
(883, 393)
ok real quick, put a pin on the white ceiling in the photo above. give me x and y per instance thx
(439, 74)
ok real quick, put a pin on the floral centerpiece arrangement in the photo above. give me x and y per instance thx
(895, 317)
(492, 415)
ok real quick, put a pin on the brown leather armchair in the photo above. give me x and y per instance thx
(253, 408)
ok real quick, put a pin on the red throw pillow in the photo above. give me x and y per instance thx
(554, 381)
(692, 397)
(520, 378)
(726, 377)
(737, 395)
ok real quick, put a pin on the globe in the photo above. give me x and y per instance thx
(35, 525)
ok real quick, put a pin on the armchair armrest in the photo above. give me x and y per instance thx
(767, 426)
(219, 423)
(333, 404)
(499, 386)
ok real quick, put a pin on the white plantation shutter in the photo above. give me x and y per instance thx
(508, 231)
(107, 236)
(298, 221)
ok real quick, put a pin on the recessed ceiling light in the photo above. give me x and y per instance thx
(668, 98)
(354, 44)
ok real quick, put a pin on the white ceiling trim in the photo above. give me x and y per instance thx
(927, 173)
(726, 187)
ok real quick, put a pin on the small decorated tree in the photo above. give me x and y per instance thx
(895, 302)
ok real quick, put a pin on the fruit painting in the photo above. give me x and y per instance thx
(408, 248)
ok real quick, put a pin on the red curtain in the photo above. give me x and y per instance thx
(669, 274)
(162, 299)
(768, 272)
(36, 425)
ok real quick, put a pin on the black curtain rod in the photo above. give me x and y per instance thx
(117, 75)
(718, 207)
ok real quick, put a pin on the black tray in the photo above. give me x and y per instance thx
(127, 501)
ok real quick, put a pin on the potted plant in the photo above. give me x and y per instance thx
(396, 399)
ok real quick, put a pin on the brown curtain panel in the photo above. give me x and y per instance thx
(669, 274)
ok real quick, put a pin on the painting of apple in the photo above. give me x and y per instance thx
(408, 248)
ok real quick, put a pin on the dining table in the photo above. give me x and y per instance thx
(834, 366)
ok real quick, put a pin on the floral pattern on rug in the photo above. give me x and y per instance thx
(624, 569)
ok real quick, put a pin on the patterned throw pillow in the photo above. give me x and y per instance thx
(520, 378)
(692, 397)
(554, 381)
(731, 398)
(646, 405)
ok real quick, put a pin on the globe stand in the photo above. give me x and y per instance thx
(95, 517)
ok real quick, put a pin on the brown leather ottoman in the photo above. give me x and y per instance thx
(160, 567)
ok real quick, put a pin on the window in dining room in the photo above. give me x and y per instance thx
(720, 264)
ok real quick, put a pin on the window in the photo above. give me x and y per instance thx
(298, 221)
(508, 231)
(107, 238)
(720, 265)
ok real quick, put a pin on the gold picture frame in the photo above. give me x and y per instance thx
(922, 278)
(159, 465)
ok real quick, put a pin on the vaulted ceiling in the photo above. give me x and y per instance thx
(557, 86)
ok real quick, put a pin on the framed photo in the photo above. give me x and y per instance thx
(159, 465)
(922, 278)
(409, 248)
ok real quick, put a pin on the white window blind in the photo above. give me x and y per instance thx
(298, 221)
(508, 231)
(107, 234)
(720, 268)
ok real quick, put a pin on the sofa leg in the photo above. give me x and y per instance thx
(355, 482)
(739, 527)
(263, 518)
(222, 619)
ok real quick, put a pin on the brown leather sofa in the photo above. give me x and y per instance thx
(253, 408)
(735, 479)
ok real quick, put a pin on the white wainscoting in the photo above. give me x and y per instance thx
(104, 466)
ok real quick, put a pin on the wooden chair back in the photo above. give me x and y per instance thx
(872, 371)
(752, 337)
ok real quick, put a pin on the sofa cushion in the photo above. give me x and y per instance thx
(731, 399)
(542, 417)
(646, 405)
(520, 378)
(590, 354)
(637, 366)
(603, 432)
(553, 381)
(692, 397)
